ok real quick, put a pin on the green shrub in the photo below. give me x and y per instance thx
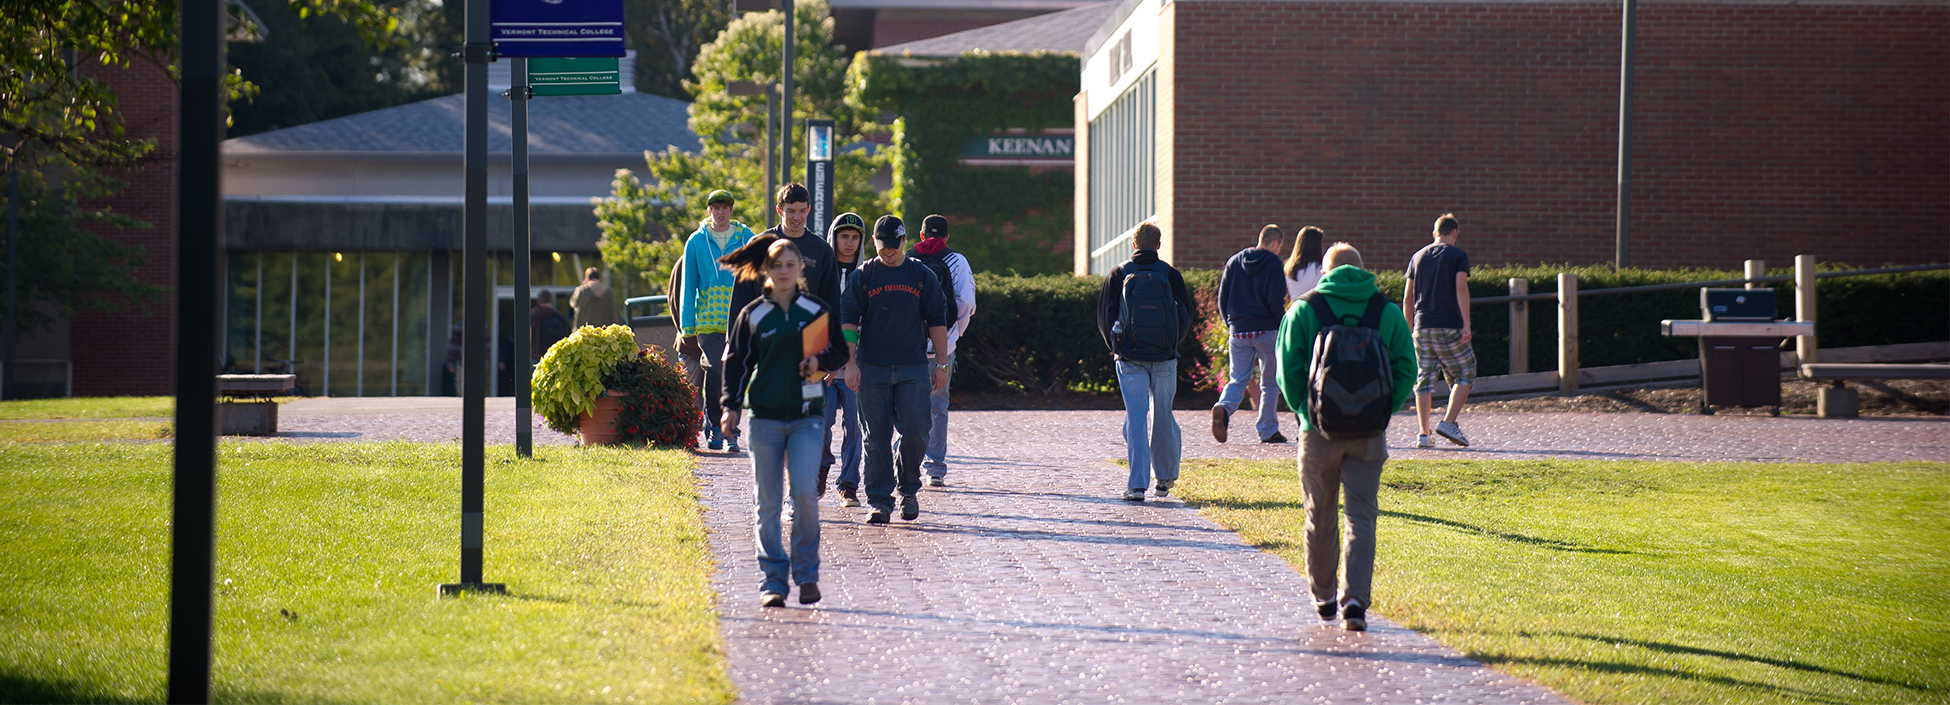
(570, 375)
(1040, 333)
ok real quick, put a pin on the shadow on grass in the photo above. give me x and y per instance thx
(1552, 544)
(1673, 673)
(1729, 655)
(18, 688)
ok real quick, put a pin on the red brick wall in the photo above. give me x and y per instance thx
(132, 352)
(1762, 131)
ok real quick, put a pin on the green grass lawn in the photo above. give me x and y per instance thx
(1643, 582)
(59, 431)
(89, 408)
(328, 557)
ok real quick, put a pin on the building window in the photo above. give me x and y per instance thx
(1122, 170)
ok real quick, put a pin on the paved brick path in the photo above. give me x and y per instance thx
(1027, 580)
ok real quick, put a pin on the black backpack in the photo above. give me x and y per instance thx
(1349, 383)
(938, 263)
(1149, 322)
(554, 329)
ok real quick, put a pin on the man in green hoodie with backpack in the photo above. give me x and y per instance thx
(1346, 364)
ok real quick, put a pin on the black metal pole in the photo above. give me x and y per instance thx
(198, 276)
(771, 150)
(524, 378)
(1622, 258)
(785, 111)
(13, 270)
(474, 287)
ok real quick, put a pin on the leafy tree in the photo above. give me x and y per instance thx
(667, 35)
(645, 219)
(316, 67)
(71, 131)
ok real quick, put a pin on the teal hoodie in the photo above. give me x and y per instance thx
(1348, 289)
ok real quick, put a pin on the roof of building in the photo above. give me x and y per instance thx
(607, 124)
(1065, 31)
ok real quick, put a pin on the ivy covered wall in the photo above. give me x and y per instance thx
(1002, 218)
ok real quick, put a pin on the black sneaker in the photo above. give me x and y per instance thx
(879, 515)
(1275, 438)
(1164, 488)
(771, 599)
(1134, 495)
(910, 507)
(808, 593)
(1328, 611)
(937, 482)
(1355, 618)
(823, 470)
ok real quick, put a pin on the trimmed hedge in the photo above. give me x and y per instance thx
(1040, 333)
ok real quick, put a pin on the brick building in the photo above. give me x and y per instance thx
(875, 24)
(1763, 129)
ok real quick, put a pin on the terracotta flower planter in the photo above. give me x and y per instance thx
(599, 427)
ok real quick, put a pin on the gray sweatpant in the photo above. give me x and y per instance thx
(1327, 467)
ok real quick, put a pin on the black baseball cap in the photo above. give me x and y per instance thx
(934, 226)
(888, 231)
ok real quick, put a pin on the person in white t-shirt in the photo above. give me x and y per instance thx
(1303, 266)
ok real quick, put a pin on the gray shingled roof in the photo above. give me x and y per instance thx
(607, 124)
(1065, 31)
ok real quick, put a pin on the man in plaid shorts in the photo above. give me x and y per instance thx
(1438, 289)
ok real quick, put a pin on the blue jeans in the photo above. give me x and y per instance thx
(1262, 348)
(1148, 388)
(783, 450)
(894, 398)
(840, 397)
(936, 462)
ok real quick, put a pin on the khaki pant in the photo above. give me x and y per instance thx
(1326, 468)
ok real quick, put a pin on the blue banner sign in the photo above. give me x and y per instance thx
(558, 28)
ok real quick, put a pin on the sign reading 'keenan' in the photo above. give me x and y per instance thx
(1055, 147)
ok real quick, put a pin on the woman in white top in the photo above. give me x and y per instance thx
(1303, 266)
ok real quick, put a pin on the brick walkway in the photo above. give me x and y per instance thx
(1028, 580)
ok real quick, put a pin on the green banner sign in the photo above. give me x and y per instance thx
(574, 76)
(1057, 147)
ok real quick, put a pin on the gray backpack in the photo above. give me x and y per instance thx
(1349, 384)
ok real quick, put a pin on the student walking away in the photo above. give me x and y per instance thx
(545, 325)
(892, 309)
(1143, 313)
(687, 349)
(958, 283)
(1252, 295)
(778, 352)
(1345, 364)
(705, 302)
(847, 237)
(594, 302)
(1438, 288)
(1303, 266)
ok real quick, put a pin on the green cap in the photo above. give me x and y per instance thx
(719, 196)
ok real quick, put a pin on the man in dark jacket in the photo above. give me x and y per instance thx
(1144, 336)
(892, 310)
(822, 273)
(1252, 297)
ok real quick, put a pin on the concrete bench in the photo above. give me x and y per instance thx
(246, 408)
(1838, 401)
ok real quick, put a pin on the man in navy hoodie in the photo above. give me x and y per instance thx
(1252, 297)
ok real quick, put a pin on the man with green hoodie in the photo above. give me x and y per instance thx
(705, 309)
(1329, 466)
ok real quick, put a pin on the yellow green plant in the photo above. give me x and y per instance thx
(569, 378)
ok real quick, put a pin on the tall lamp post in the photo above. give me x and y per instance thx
(750, 88)
(11, 142)
(1623, 257)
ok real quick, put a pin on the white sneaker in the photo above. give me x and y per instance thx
(1424, 441)
(1449, 430)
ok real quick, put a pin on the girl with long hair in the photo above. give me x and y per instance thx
(777, 353)
(1303, 266)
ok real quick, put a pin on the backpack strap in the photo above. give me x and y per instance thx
(1376, 306)
(1318, 304)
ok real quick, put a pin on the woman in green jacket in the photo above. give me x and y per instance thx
(776, 355)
